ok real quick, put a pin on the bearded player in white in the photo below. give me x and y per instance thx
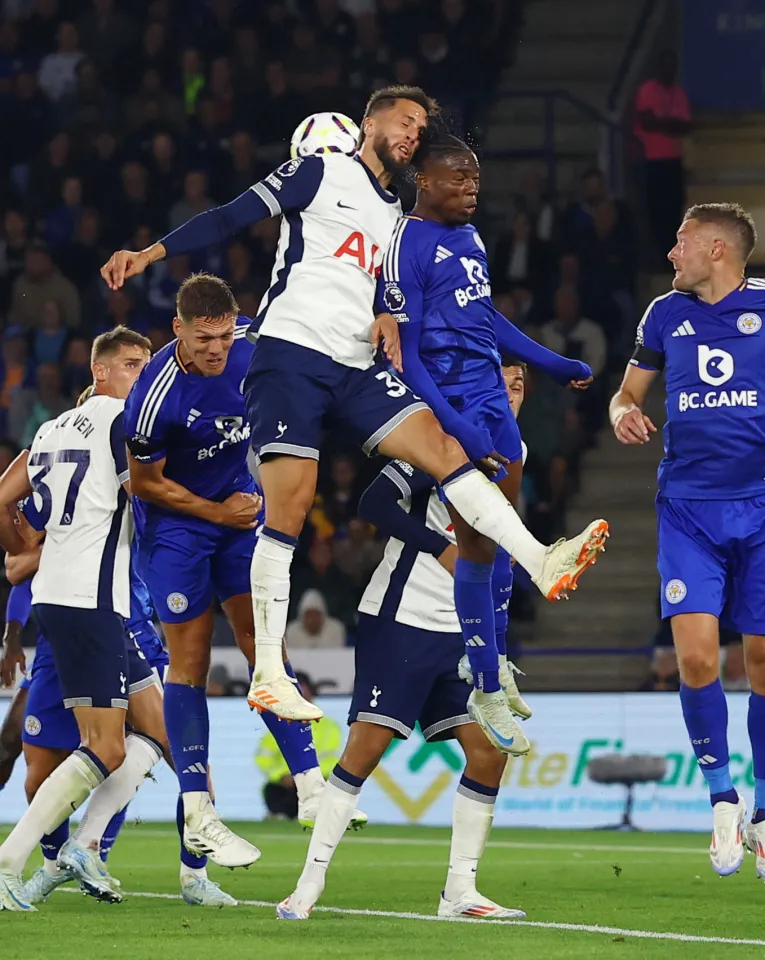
(313, 367)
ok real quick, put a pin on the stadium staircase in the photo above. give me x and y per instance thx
(615, 607)
(576, 50)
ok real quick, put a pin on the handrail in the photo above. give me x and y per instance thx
(636, 39)
(547, 150)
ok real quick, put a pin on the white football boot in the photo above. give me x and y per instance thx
(11, 896)
(203, 892)
(89, 870)
(281, 696)
(566, 560)
(42, 884)
(492, 714)
(726, 851)
(206, 835)
(472, 904)
(507, 671)
(308, 810)
(754, 839)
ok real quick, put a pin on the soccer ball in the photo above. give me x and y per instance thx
(324, 133)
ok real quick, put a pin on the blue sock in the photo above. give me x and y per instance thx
(111, 833)
(756, 725)
(502, 588)
(475, 607)
(187, 859)
(188, 730)
(295, 740)
(51, 843)
(705, 711)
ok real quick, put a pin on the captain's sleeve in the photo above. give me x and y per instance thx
(649, 348)
(117, 440)
(401, 285)
(147, 419)
(292, 186)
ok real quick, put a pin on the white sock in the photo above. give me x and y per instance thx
(471, 822)
(308, 783)
(482, 504)
(65, 790)
(337, 806)
(189, 873)
(270, 581)
(114, 794)
(51, 867)
(196, 804)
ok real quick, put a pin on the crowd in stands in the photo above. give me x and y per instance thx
(123, 118)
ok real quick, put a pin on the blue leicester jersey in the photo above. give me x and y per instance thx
(141, 608)
(713, 357)
(195, 424)
(438, 276)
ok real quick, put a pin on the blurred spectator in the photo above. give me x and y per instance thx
(279, 110)
(313, 628)
(81, 257)
(13, 245)
(39, 30)
(165, 170)
(535, 200)
(31, 118)
(239, 169)
(334, 26)
(192, 79)
(30, 407)
(14, 368)
(315, 70)
(89, 104)
(247, 62)
(573, 335)
(358, 553)
(48, 172)
(321, 573)
(61, 222)
(733, 674)
(195, 199)
(663, 119)
(58, 70)
(218, 681)
(133, 207)
(106, 33)
(520, 258)
(9, 450)
(76, 373)
(42, 281)
(50, 338)
(664, 674)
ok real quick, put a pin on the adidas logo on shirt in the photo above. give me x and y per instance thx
(193, 414)
(684, 330)
(442, 253)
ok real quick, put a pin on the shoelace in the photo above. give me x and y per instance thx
(217, 832)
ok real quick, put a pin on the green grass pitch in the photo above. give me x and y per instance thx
(587, 894)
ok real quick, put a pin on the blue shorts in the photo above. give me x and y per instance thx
(294, 393)
(145, 637)
(184, 569)
(490, 409)
(711, 560)
(404, 674)
(47, 722)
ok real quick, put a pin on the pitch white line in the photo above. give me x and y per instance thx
(569, 927)
(492, 844)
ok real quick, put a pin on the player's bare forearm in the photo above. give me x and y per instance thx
(166, 493)
(22, 566)
(11, 539)
(630, 424)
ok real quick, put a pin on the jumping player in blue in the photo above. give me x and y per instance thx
(707, 336)
(187, 436)
(435, 283)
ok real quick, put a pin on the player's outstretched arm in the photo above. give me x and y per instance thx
(476, 442)
(630, 424)
(513, 341)
(16, 616)
(148, 481)
(380, 505)
(292, 186)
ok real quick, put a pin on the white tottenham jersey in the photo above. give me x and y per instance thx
(77, 464)
(336, 224)
(413, 586)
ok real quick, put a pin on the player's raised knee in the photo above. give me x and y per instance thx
(698, 668)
